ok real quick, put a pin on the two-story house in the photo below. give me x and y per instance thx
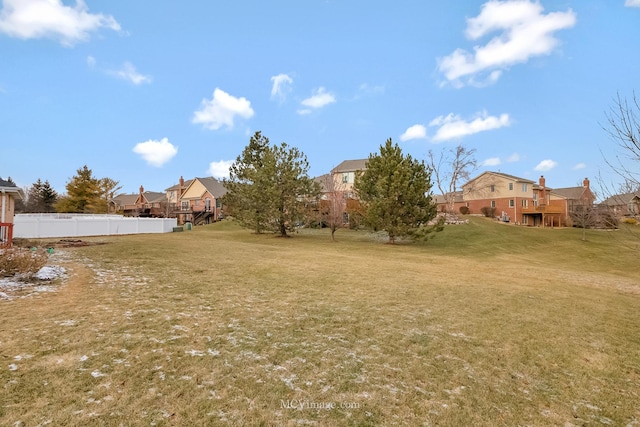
(9, 193)
(523, 201)
(198, 201)
(337, 193)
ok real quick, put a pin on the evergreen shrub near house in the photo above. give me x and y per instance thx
(22, 262)
(488, 211)
(465, 210)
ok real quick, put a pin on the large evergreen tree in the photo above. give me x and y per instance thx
(41, 197)
(83, 194)
(248, 185)
(395, 192)
(268, 185)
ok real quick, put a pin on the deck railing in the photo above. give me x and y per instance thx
(6, 234)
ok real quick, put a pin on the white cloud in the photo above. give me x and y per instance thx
(414, 132)
(452, 126)
(632, 3)
(33, 19)
(579, 166)
(515, 157)
(524, 32)
(128, 72)
(367, 89)
(156, 153)
(222, 110)
(304, 111)
(220, 169)
(281, 86)
(91, 61)
(492, 161)
(546, 165)
(319, 99)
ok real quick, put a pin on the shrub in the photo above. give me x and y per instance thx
(465, 210)
(488, 211)
(630, 221)
(23, 262)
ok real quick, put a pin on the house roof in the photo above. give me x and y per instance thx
(154, 196)
(440, 199)
(350, 166)
(215, 187)
(324, 181)
(8, 187)
(177, 186)
(620, 199)
(125, 199)
(211, 184)
(501, 175)
(571, 193)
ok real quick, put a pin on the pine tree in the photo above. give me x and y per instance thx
(34, 203)
(267, 185)
(48, 197)
(83, 193)
(248, 187)
(395, 191)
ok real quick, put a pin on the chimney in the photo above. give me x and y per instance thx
(585, 183)
(180, 186)
(141, 189)
(542, 182)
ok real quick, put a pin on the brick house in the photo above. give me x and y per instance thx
(522, 201)
(198, 201)
(9, 193)
(337, 186)
(149, 204)
(623, 205)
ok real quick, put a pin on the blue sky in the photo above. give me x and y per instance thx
(146, 92)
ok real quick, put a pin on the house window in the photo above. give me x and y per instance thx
(493, 203)
(197, 202)
(493, 188)
(524, 188)
(345, 178)
(185, 205)
(511, 186)
(525, 203)
(207, 204)
(525, 220)
(511, 203)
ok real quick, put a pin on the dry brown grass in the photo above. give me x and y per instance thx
(221, 327)
(21, 261)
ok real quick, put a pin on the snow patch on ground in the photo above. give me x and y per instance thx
(19, 287)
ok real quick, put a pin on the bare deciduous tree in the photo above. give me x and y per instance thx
(333, 203)
(624, 128)
(451, 168)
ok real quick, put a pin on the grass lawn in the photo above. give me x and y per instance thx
(487, 324)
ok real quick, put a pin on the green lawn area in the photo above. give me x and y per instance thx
(486, 324)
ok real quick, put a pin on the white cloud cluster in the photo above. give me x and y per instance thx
(156, 153)
(546, 165)
(319, 99)
(524, 32)
(414, 132)
(128, 72)
(495, 161)
(220, 169)
(222, 110)
(32, 19)
(579, 166)
(632, 3)
(453, 126)
(281, 87)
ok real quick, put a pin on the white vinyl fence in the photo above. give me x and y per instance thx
(35, 226)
